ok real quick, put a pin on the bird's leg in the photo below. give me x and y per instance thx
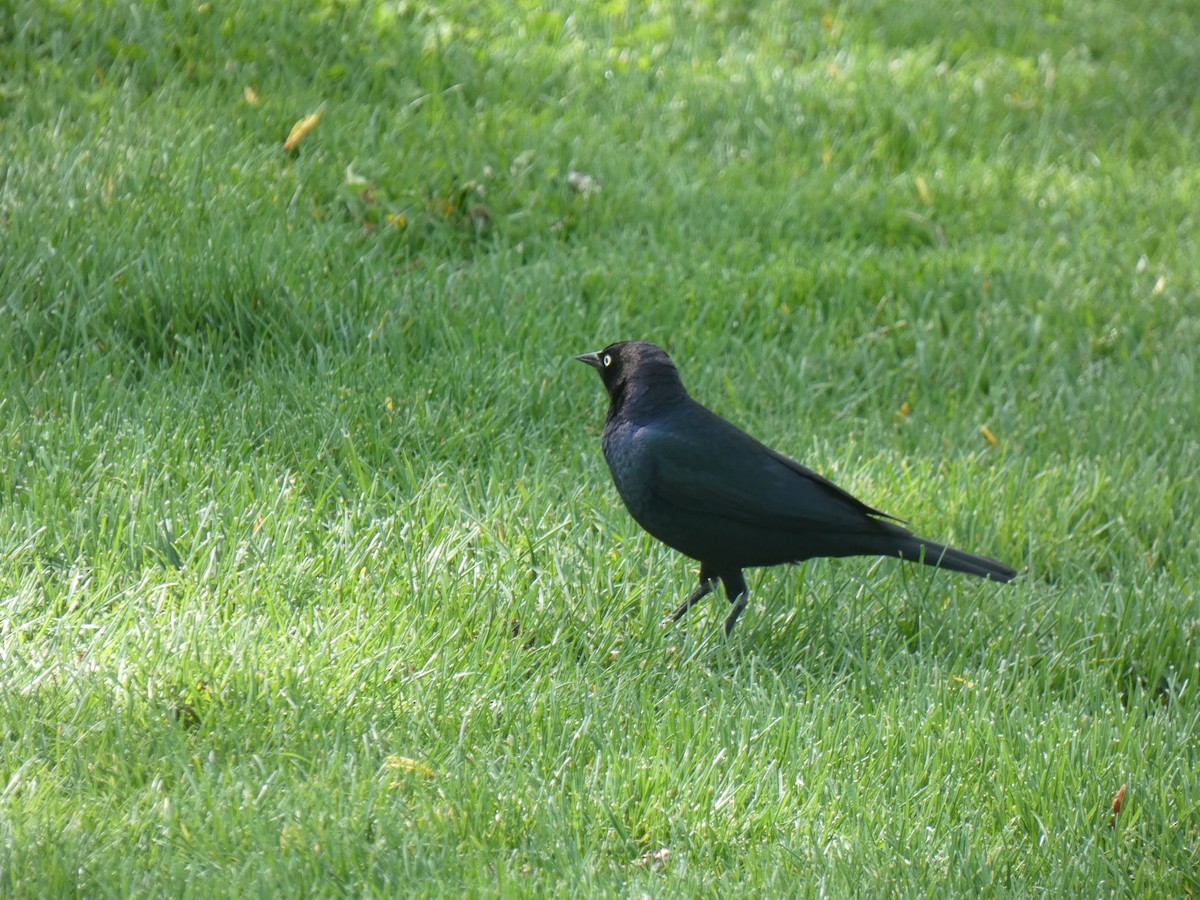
(739, 596)
(703, 589)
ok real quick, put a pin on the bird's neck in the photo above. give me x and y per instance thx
(645, 398)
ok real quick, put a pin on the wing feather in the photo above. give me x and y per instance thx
(737, 478)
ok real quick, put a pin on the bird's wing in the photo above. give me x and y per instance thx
(829, 486)
(724, 473)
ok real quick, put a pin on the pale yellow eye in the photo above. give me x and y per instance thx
(607, 360)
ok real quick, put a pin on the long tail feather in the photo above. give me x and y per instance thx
(930, 553)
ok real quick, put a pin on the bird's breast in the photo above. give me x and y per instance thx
(630, 453)
(632, 467)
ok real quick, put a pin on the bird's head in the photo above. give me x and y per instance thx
(635, 369)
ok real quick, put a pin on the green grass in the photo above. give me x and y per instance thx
(298, 476)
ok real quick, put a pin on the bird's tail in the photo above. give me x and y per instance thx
(930, 553)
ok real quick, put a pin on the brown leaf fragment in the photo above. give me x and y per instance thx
(1118, 804)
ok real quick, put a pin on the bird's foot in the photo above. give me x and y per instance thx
(738, 605)
(702, 590)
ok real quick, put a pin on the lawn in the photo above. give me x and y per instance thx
(313, 581)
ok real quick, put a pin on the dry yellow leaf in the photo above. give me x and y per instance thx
(301, 129)
(405, 764)
(991, 438)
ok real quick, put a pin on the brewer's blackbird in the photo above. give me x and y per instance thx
(714, 493)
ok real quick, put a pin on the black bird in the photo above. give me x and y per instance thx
(705, 487)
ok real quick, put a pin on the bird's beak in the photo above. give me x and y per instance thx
(591, 359)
